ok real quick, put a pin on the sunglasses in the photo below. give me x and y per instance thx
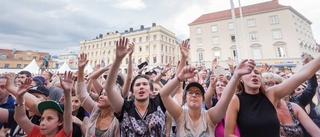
(271, 83)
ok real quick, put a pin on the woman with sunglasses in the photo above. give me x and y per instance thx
(195, 121)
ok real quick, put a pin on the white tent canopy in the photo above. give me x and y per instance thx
(88, 69)
(63, 68)
(32, 67)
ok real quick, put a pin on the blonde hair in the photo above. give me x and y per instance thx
(268, 75)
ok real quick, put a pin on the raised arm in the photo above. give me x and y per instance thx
(277, 92)
(20, 111)
(174, 108)
(84, 96)
(127, 82)
(218, 112)
(184, 49)
(162, 73)
(210, 92)
(31, 101)
(115, 98)
(66, 85)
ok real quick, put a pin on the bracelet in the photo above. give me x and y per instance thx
(18, 105)
(179, 79)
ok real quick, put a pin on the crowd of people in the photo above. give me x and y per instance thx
(192, 101)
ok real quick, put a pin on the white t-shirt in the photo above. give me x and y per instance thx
(201, 128)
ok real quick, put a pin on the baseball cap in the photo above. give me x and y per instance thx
(39, 89)
(195, 84)
(49, 104)
(40, 78)
(151, 71)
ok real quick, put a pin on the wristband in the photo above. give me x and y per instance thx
(18, 105)
(179, 79)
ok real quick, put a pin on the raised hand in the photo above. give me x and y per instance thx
(82, 61)
(131, 48)
(230, 61)
(265, 68)
(67, 81)
(121, 48)
(213, 79)
(24, 87)
(10, 80)
(244, 67)
(167, 67)
(187, 72)
(184, 49)
(215, 62)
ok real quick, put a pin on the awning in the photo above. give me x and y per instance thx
(280, 65)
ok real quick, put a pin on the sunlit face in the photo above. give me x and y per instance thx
(270, 82)
(3, 91)
(203, 74)
(252, 80)
(49, 124)
(219, 87)
(298, 90)
(141, 89)
(46, 76)
(103, 100)
(194, 97)
(156, 89)
(76, 103)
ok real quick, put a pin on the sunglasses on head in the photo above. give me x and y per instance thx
(271, 83)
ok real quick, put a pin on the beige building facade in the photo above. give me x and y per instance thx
(156, 45)
(273, 34)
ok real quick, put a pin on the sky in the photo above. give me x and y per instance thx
(58, 26)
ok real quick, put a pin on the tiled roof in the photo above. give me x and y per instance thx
(250, 9)
(10, 54)
(6, 51)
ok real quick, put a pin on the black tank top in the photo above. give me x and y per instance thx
(257, 116)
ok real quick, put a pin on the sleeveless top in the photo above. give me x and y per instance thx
(257, 116)
(293, 130)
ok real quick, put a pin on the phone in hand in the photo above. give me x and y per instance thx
(219, 71)
(143, 64)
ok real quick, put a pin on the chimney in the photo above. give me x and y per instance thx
(141, 27)
(100, 36)
(154, 24)
(131, 29)
(97, 37)
(126, 31)
(116, 31)
(108, 33)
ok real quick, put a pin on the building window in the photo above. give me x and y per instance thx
(200, 56)
(276, 34)
(199, 41)
(140, 39)
(25, 65)
(35, 57)
(281, 53)
(214, 28)
(251, 23)
(215, 40)
(134, 39)
(234, 54)
(154, 37)
(3, 56)
(256, 53)
(28, 57)
(147, 38)
(147, 48)
(231, 27)
(18, 65)
(154, 47)
(274, 19)
(162, 59)
(140, 48)
(198, 30)
(233, 38)
(154, 59)
(6, 65)
(216, 54)
(161, 47)
(161, 37)
(254, 36)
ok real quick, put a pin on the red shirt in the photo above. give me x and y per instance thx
(35, 132)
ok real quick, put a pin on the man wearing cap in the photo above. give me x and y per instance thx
(41, 93)
(151, 73)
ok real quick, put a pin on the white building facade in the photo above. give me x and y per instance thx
(155, 44)
(71, 59)
(273, 34)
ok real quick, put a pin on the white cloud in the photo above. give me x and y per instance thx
(130, 5)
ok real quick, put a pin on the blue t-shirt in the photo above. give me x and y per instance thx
(9, 104)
